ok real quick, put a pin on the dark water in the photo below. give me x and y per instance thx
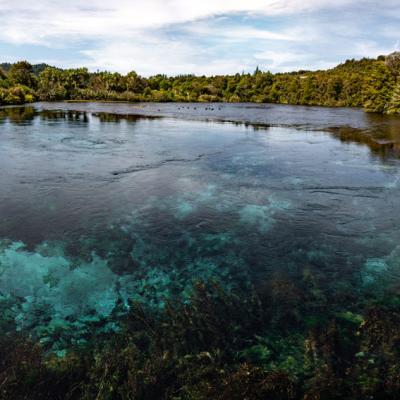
(104, 203)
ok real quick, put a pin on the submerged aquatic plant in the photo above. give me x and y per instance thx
(215, 345)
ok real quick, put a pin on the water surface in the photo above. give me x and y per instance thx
(103, 204)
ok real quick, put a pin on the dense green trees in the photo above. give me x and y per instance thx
(369, 83)
(393, 63)
(21, 73)
(18, 84)
(394, 104)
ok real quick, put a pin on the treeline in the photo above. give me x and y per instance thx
(370, 83)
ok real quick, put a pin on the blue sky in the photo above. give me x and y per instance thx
(202, 37)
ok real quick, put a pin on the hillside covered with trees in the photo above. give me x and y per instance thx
(373, 84)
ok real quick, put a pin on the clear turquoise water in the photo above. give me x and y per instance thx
(97, 210)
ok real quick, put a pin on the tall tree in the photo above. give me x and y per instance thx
(21, 73)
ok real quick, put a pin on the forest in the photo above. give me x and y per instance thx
(373, 84)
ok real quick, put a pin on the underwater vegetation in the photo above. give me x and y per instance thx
(216, 345)
(136, 321)
(82, 325)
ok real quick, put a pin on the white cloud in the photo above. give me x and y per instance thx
(370, 48)
(43, 20)
(201, 37)
(154, 55)
(286, 61)
(240, 33)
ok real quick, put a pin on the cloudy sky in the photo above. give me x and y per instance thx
(197, 36)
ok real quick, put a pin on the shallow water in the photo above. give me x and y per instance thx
(101, 204)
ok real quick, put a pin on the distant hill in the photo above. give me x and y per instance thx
(5, 66)
(37, 68)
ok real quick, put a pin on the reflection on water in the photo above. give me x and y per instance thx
(99, 209)
(381, 133)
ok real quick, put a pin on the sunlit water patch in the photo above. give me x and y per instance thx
(99, 211)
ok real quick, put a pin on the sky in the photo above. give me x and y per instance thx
(202, 37)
